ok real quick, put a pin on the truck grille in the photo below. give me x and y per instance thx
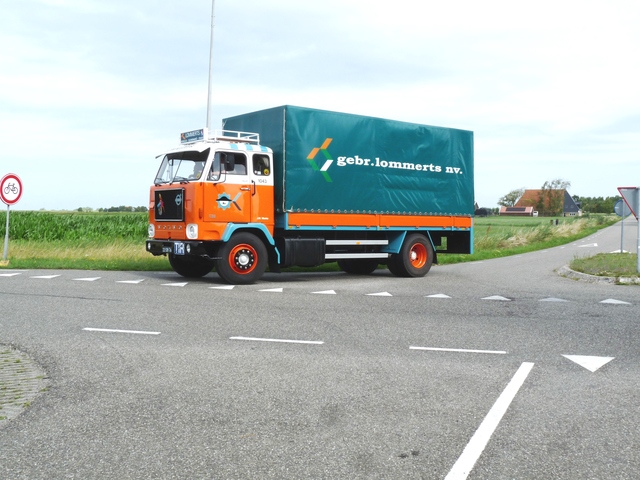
(169, 205)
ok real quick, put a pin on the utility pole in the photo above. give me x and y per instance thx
(213, 5)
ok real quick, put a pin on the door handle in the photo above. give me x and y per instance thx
(245, 189)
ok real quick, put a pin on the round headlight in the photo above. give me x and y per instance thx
(192, 231)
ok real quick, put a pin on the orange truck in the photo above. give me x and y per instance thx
(292, 186)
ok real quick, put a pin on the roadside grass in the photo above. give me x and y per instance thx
(607, 265)
(101, 241)
(117, 254)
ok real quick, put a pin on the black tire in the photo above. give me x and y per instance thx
(415, 257)
(358, 266)
(190, 267)
(243, 259)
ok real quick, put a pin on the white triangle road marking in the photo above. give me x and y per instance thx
(180, 284)
(588, 245)
(380, 294)
(613, 301)
(272, 290)
(46, 277)
(553, 299)
(92, 279)
(591, 363)
(223, 287)
(133, 282)
(326, 292)
(9, 274)
(438, 295)
(497, 297)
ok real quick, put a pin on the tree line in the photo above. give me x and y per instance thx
(121, 208)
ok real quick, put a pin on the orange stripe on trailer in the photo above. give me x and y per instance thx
(377, 221)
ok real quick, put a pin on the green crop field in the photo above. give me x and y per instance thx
(116, 241)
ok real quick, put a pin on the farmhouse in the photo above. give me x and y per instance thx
(548, 202)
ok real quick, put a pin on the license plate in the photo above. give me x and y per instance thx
(178, 248)
(166, 250)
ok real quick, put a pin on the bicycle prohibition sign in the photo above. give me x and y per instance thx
(10, 193)
(10, 189)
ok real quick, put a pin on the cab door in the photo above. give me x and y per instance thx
(227, 196)
(262, 204)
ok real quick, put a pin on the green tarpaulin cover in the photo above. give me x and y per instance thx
(333, 162)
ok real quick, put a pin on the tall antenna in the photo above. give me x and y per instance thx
(213, 4)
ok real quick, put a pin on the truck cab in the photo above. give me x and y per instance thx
(207, 190)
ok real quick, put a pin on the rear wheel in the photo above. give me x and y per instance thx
(190, 267)
(243, 259)
(358, 266)
(415, 257)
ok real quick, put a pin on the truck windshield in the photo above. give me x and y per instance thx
(181, 167)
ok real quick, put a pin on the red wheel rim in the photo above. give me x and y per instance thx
(418, 255)
(243, 258)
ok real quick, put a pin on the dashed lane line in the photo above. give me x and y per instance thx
(459, 350)
(277, 340)
(111, 330)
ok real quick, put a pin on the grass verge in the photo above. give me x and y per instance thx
(607, 265)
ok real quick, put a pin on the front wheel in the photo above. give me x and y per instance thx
(243, 259)
(415, 257)
(190, 267)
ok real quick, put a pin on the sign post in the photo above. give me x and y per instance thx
(631, 196)
(621, 209)
(10, 193)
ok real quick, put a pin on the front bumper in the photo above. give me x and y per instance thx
(178, 247)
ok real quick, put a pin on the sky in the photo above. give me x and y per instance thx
(92, 91)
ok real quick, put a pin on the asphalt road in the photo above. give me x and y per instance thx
(495, 369)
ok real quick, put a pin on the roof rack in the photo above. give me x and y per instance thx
(233, 136)
(219, 136)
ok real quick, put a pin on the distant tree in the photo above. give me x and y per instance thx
(551, 199)
(511, 198)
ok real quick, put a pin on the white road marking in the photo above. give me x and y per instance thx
(438, 295)
(45, 277)
(589, 362)
(277, 340)
(480, 439)
(224, 287)
(180, 284)
(131, 281)
(92, 279)
(553, 299)
(497, 297)
(272, 290)
(380, 294)
(109, 330)
(588, 245)
(9, 274)
(326, 292)
(613, 301)
(460, 350)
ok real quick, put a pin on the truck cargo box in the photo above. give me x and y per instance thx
(329, 162)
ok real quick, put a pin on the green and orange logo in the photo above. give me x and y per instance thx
(328, 160)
